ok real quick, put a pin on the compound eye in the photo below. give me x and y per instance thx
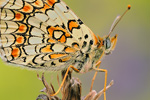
(107, 43)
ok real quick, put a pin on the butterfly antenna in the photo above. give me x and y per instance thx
(117, 20)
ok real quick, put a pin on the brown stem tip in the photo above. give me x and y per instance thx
(71, 90)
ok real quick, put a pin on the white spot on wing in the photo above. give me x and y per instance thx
(58, 47)
(35, 40)
(30, 49)
(41, 17)
(37, 32)
(57, 34)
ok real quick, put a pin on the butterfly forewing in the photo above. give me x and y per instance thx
(42, 34)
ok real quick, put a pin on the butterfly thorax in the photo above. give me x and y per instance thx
(85, 61)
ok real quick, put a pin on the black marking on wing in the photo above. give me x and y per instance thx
(86, 36)
(84, 44)
(33, 60)
(72, 27)
(80, 22)
(52, 63)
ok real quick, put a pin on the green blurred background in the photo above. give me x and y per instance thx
(128, 65)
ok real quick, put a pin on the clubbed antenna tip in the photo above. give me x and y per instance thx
(129, 7)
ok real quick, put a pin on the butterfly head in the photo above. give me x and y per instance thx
(108, 43)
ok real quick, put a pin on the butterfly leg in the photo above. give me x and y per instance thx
(97, 64)
(64, 79)
(102, 70)
(94, 76)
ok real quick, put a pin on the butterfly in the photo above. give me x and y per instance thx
(47, 35)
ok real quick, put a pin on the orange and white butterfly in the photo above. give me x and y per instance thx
(46, 34)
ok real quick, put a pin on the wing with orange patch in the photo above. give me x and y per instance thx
(42, 33)
(65, 18)
(40, 55)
